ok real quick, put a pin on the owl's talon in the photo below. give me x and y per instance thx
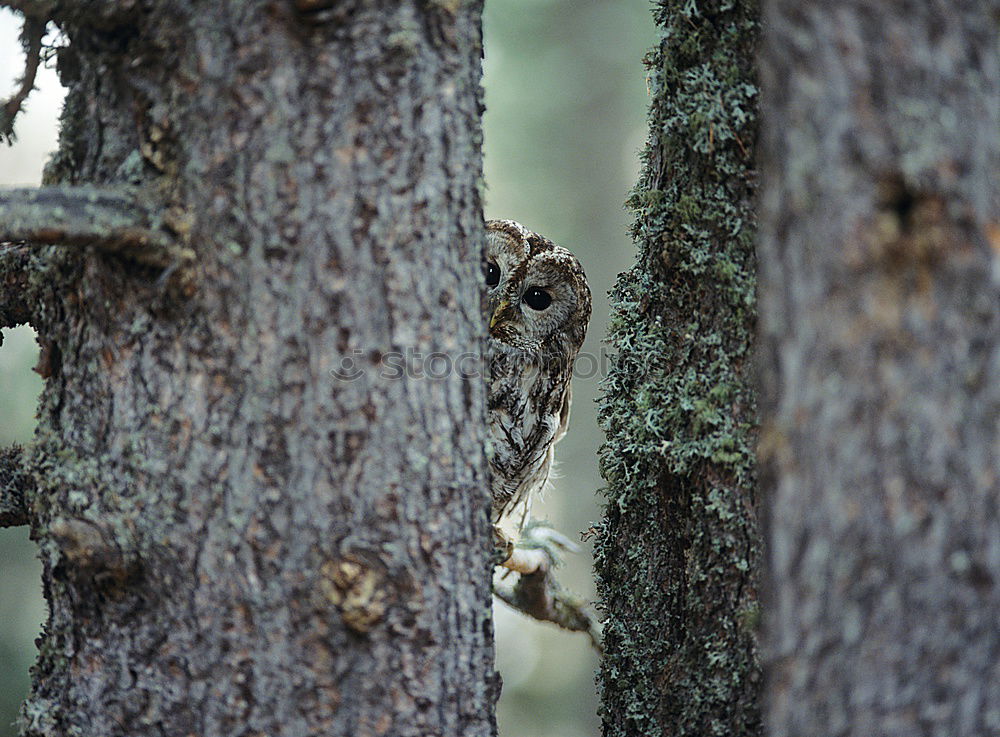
(503, 547)
(540, 549)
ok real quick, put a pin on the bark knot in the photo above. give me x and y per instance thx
(357, 590)
(93, 550)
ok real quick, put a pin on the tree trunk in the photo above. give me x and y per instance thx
(259, 482)
(677, 555)
(880, 318)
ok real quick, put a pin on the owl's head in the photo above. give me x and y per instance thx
(538, 300)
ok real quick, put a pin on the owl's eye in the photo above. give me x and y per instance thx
(537, 299)
(492, 274)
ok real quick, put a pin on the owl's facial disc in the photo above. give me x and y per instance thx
(536, 294)
(528, 312)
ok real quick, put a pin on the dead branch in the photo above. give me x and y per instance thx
(110, 221)
(31, 38)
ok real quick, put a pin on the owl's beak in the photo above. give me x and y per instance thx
(498, 313)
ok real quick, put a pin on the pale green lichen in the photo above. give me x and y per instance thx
(678, 408)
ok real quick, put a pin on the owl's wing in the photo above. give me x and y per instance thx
(564, 413)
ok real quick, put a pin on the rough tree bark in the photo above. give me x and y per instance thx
(677, 553)
(880, 319)
(236, 540)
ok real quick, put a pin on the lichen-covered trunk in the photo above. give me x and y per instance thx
(880, 320)
(259, 512)
(678, 551)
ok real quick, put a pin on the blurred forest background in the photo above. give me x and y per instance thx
(565, 119)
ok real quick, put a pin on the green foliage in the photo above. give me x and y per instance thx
(678, 408)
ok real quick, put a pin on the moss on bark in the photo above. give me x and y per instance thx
(677, 558)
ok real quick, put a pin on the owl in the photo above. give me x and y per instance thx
(537, 306)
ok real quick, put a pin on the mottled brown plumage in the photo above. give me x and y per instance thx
(537, 307)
